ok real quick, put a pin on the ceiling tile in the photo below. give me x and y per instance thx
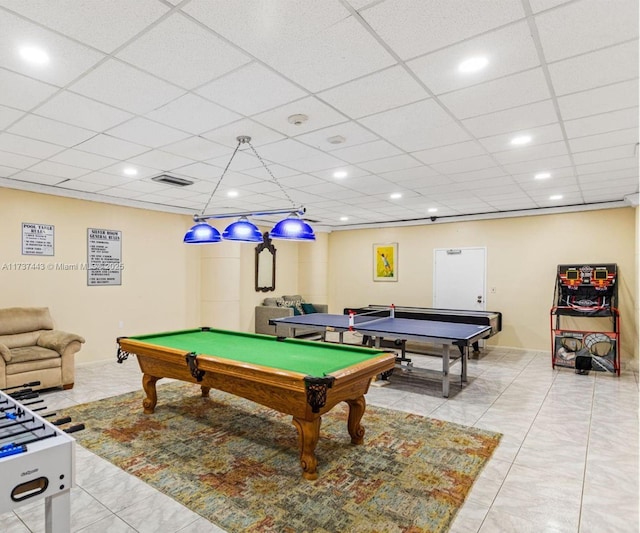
(371, 184)
(594, 24)
(478, 175)
(320, 116)
(288, 150)
(193, 114)
(105, 25)
(7, 172)
(191, 55)
(377, 92)
(111, 147)
(201, 171)
(147, 133)
(406, 126)
(8, 116)
(595, 69)
(269, 28)
(67, 59)
(538, 165)
(516, 90)
(413, 27)
(279, 171)
(196, 148)
(56, 169)
(606, 166)
(350, 170)
(251, 89)
(52, 131)
(604, 154)
(141, 172)
(542, 5)
(320, 161)
(465, 165)
(28, 147)
(539, 135)
(602, 123)
(408, 177)
(601, 100)
(83, 112)
(508, 50)
(352, 133)
(628, 137)
(449, 153)
(85, 160)
(530, 153)
(243, 160)
(34, 177)
(106, 180)
(330, 56)
(389, 164)
(120, 85)
(367, 152)
(22, 92)
(161, 160)
(514, 119)
(13, 160)
(81, 186)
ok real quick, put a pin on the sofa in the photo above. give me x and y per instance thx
(282, 307)
(32, 350)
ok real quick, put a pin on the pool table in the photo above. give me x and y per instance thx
(301, 378)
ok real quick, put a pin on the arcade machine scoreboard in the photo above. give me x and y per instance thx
(588, 291)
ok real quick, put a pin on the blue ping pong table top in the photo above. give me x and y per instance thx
(402, 328)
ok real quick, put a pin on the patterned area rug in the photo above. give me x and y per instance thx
(236, 463)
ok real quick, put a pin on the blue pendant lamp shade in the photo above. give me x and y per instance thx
(292, 228)
(202, 233)
(242, 230)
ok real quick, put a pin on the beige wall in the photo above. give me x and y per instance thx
(168, 285)
(160, 281)
(522, 257)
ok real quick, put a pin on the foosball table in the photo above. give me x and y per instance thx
(37, 458)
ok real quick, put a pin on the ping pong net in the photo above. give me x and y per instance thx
(370, 317)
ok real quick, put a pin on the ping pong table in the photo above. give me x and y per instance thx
(444, 333)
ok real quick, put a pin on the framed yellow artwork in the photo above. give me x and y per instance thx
(385, 262)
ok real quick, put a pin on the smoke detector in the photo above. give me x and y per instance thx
(298, 120)
(336, 139)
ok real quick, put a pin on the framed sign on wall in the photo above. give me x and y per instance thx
(385, 261)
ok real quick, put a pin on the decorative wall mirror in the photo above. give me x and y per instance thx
(265, 265)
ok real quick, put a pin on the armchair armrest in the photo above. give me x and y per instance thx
(321, 308)
(264, 313)
(5, 353)
(58, 340)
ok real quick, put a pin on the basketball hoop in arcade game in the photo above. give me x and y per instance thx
(586, 291)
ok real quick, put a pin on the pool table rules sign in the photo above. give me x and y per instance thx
(304, 379)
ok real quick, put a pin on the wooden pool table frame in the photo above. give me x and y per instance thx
(293, 393)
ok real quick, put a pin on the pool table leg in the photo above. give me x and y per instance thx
(356, 410)
(205, 391)
(308, 434)
(149, 386)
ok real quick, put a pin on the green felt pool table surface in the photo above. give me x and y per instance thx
(306, 357)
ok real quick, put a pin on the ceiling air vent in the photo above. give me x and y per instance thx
(172, 180)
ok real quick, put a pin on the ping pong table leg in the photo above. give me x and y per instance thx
(445, 370)
(465, 359)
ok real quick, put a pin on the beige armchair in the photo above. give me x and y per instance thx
(270, 309)
(31, 350)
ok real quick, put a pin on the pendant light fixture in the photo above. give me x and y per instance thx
(292, 228)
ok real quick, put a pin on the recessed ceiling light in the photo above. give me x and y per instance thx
(473, 64)
(542, 176)
(432, 210)
(34, 55)
(344, 219)
(522, 139)
(130, 171)
(232, 194)
(340, 174)
(395, 195)
(555, 197)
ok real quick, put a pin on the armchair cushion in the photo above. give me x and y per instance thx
(57, 340)
(5, 353)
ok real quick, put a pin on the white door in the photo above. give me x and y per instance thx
(459, 278)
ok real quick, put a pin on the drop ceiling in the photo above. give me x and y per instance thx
(129, 90)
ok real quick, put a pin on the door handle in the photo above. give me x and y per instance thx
(479, 299)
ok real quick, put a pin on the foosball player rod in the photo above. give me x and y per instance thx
(73, 429)
(30, 384)
(60, 421)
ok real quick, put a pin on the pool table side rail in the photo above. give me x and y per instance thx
(281, 390)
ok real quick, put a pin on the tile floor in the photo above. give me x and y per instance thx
(568, 461)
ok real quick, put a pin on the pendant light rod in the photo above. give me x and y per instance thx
(298, 210)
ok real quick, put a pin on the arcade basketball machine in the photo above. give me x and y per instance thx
(587, 291)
